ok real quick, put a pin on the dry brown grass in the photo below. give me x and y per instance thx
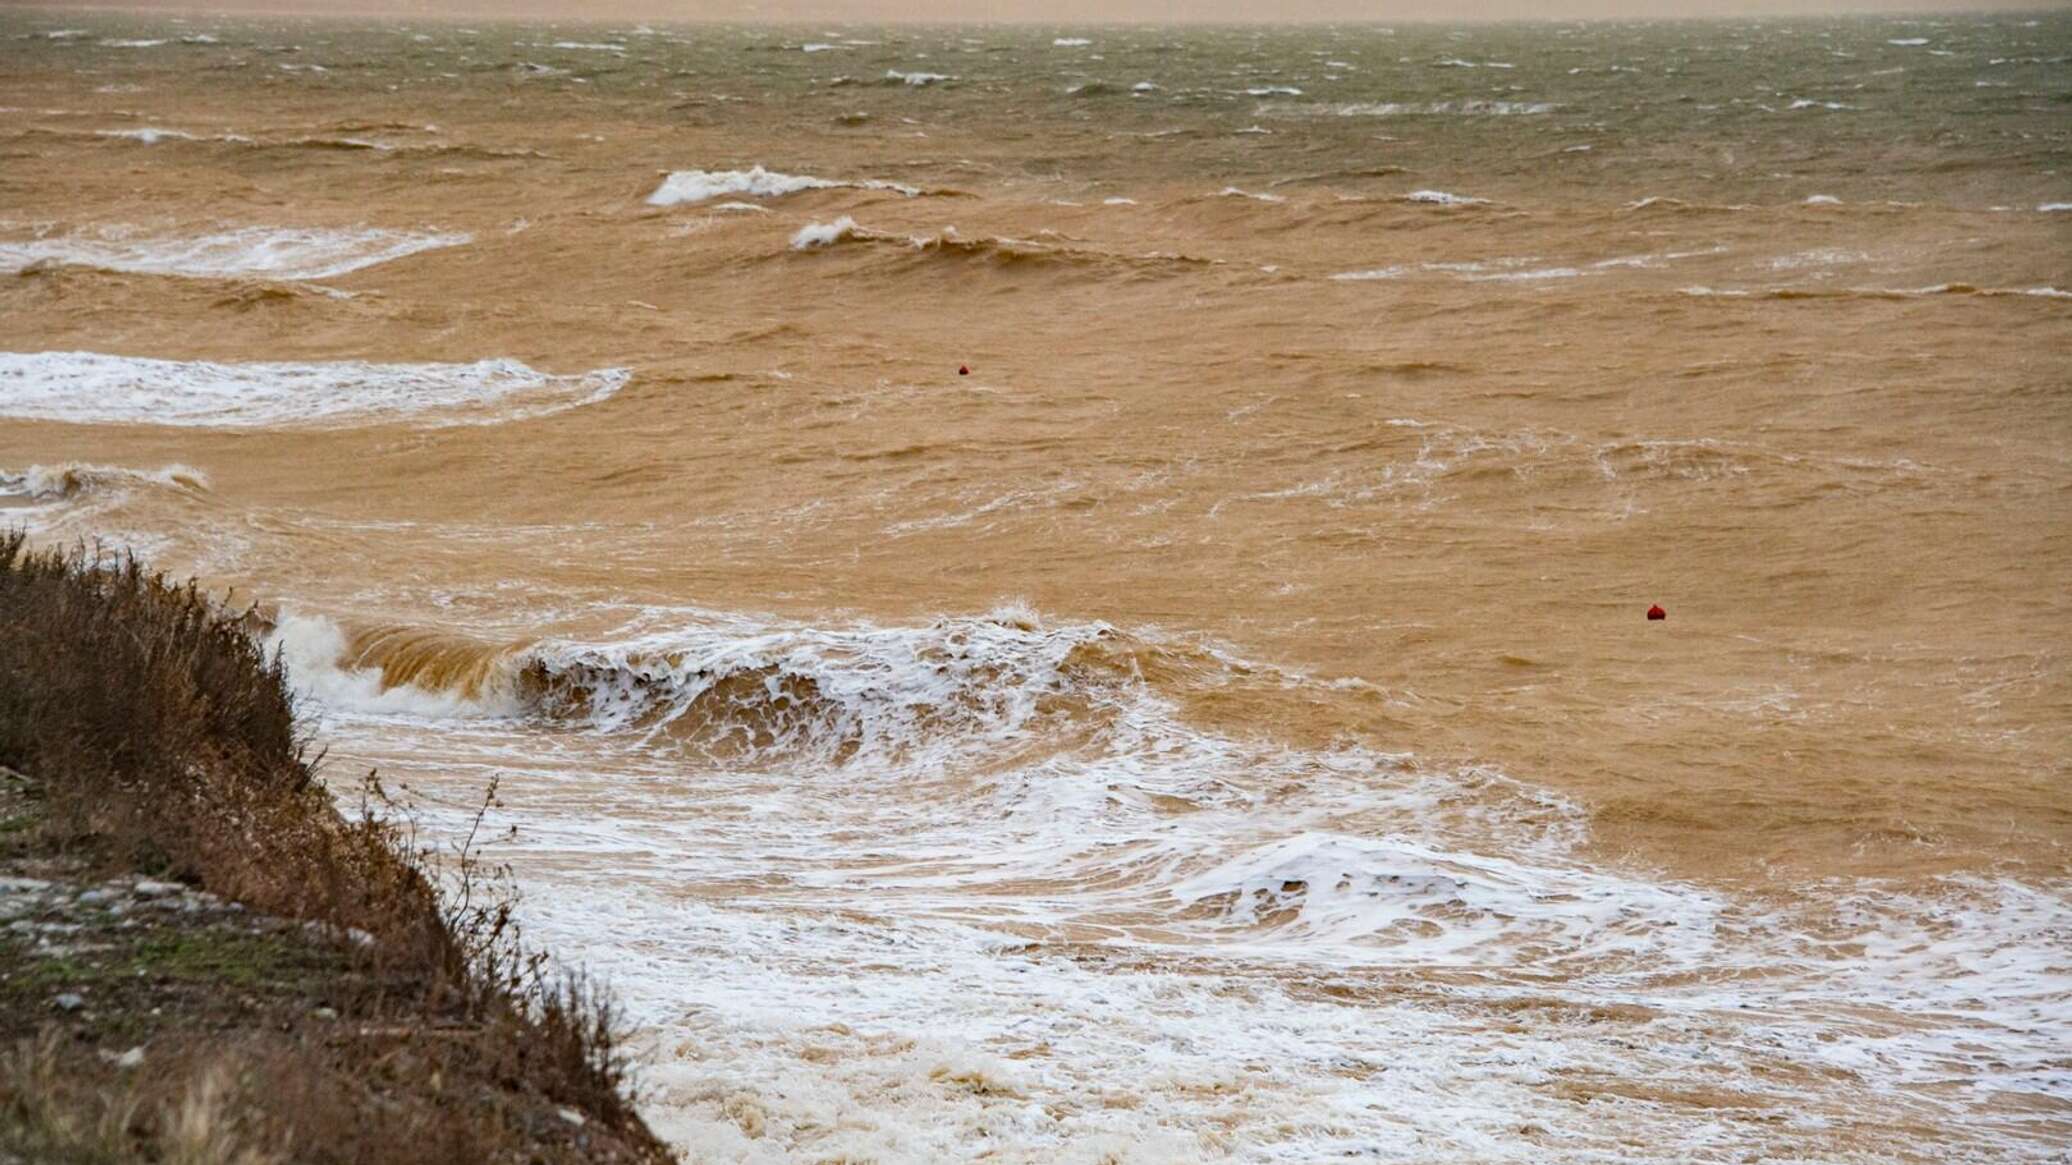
(165, 741)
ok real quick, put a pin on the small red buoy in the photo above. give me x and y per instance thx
(1656, 612)
(963, 369)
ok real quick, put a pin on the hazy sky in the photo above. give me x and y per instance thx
(1075, 11)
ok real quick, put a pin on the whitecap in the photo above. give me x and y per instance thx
(148, 135)
(268, 252)
(917, 78)
(1523, 276)
(1442, 198)
(96, 388)
(1471, 108)
(827, 234)
(688, 186)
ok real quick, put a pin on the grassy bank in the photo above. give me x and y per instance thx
(202, 960)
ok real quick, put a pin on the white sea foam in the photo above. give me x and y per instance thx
(1368, 276)
(1071, 42)
(1234, 192)
(1822, 200)
(687, 186)
(979, 880)
(1909, 42)
(268, 252)
(917, 78)
(589, 46)
(1442, 198)
(131, 44)
(149, 135)
(2054, 207)
(93, 388)
(1523, 276)
(1472, 108)
(1273, 91)
(826, 234)
(1818, 257)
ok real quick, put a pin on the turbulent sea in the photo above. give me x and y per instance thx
(1222, 725)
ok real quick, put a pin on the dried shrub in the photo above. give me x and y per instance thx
(166, 741)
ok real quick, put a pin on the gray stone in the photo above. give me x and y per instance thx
(131, 1059)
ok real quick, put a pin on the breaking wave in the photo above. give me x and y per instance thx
(95, 388)
(1933, 291)
(991, 249)
(1442, 198)
(691, 186)
(1090, 773)
(738, 689)
(264, 252)
(70, 480)
(1410, 109)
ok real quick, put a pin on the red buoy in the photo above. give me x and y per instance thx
(963, 369)
(1656, 612)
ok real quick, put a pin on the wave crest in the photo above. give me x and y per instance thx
(994, 250)
(693, 186)
(96, 388)
(71, 479)
(266, 252)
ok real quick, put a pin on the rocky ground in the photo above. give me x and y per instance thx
(142, 1019)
